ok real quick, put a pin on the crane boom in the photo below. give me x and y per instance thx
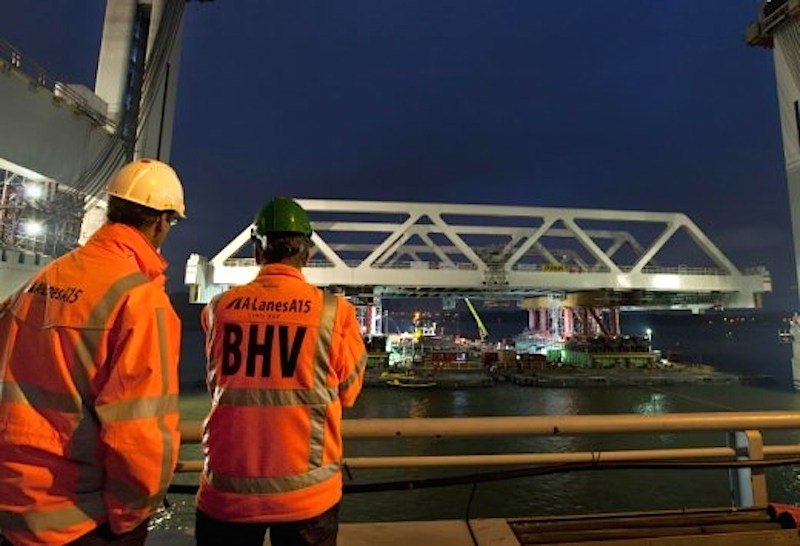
(482, 331)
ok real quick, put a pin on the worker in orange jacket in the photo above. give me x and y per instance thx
(284, 357)
(88, 361)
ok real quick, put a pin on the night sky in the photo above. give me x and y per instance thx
(631, 104)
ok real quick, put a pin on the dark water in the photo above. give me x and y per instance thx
(744, 346)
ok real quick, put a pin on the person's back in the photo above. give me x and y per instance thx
(88, 412)
(284, 358)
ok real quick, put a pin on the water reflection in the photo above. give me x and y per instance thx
(418, 407)
(558, 401)
(657, 403)
(460, 403)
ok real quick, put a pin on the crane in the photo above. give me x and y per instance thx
(482, 331)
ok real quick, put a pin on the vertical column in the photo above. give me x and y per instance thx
(155, 136)
(585, 328)
(555, 307)
(794, 330)
(748, 486)
(787, 74)
(130, 39)
(112, 65)
(544, 322)
(376, 325)
(614, 321)
(568, 323)
(362, 315)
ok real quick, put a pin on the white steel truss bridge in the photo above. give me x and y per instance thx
(396, 249)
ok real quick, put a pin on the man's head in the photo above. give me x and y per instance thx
(146, 194)
(282, 233)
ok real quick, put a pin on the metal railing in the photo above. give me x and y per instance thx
(745, 451)
(545, 268)
(13, 57)
(460, 266)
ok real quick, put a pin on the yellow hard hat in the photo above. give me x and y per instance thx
(150, 183)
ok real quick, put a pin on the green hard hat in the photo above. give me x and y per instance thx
(282, 215)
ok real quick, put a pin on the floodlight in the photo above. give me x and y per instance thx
(33, 227)
(34, 191)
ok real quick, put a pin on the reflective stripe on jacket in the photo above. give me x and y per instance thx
(89, 392)
(283, 358)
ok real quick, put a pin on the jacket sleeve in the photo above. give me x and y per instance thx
(207, 323)
(351, 356)
(137, 407)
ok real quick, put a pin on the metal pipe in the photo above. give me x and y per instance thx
(551, 425)
(189, 466)
(677, 454)
(541, 458)
(782, 450)
(750, 487)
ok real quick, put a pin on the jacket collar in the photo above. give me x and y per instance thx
(282, 269)
(129, 241)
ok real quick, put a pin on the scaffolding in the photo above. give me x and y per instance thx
(38, 216)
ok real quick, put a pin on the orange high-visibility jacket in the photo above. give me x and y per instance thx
(89, 395)
(283, 359)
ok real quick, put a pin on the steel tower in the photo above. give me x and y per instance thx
(778, 28)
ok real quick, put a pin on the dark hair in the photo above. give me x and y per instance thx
(129, 213)
(285, 245)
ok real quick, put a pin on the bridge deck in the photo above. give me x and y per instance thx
(710, 527)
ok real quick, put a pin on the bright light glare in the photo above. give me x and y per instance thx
(649, 332)
(666, 281)
(33, 228)
(34, 191)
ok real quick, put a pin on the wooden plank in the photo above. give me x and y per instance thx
(664, 520)
(782, 537)
(745, 512)
(639, 533)
(494, 532)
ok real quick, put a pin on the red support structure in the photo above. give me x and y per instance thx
(569, 323)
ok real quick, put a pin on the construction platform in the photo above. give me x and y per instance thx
(700, 527)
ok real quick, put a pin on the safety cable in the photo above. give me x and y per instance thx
(467, 518)
(530, 471)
